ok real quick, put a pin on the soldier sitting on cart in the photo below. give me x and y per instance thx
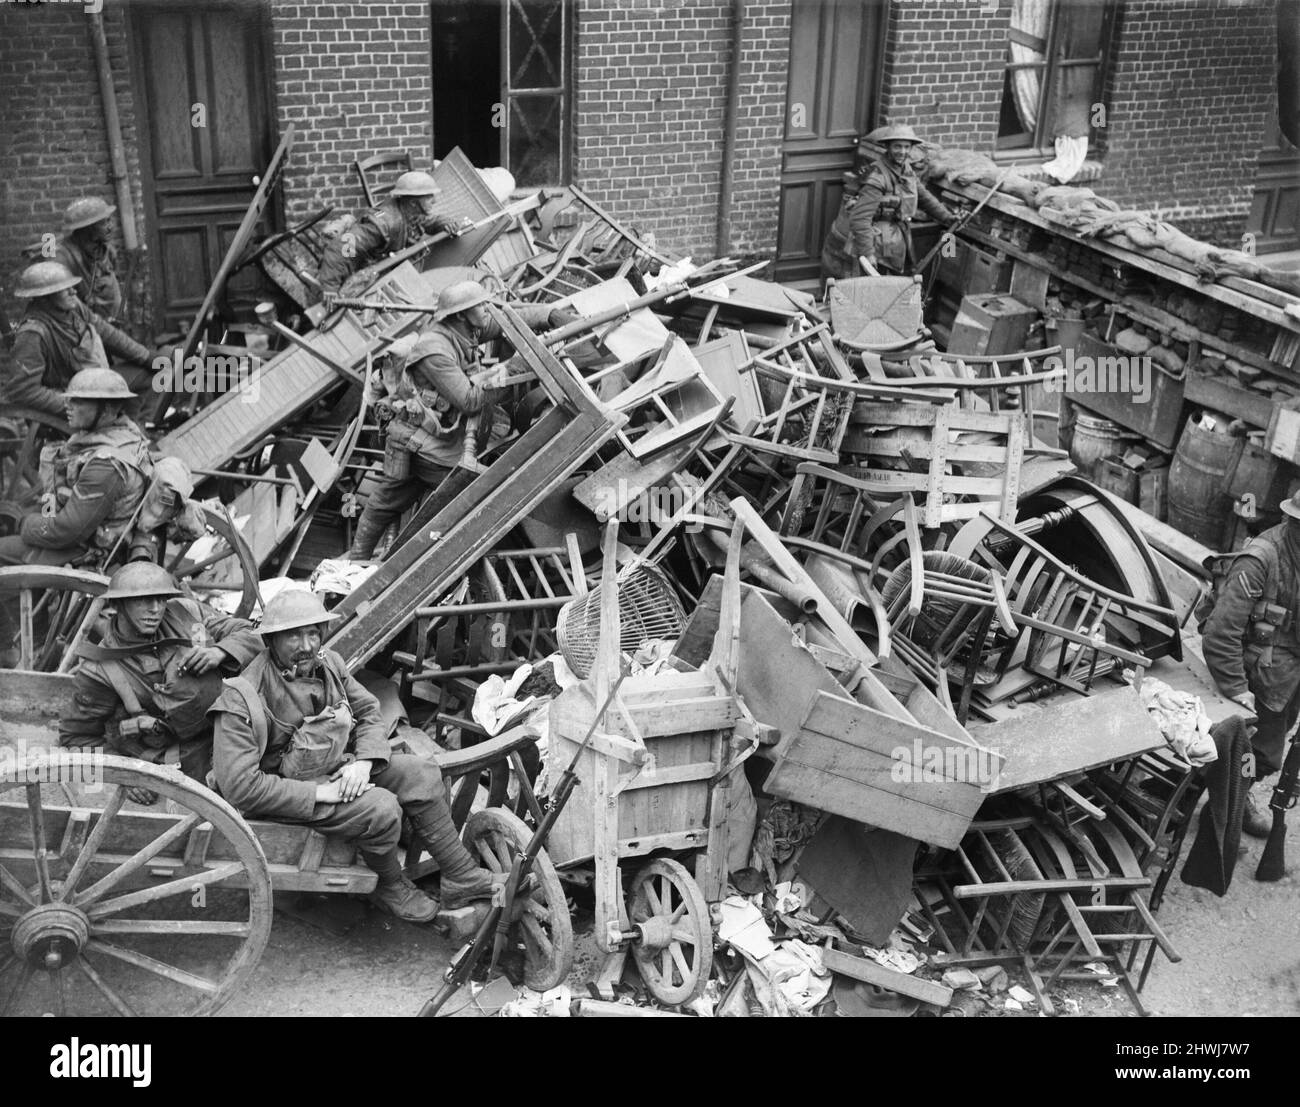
(145, 689)
(298, 739)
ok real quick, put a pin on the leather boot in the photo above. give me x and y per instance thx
(398, 896)
(370, 529)
(1255, 822)
(460, 881)
(395, 893)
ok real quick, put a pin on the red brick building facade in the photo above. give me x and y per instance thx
(1189, 90)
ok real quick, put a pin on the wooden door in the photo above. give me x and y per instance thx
(201, 72)
(832, 97)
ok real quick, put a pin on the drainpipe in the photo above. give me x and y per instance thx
(722, 241)
(113, 125)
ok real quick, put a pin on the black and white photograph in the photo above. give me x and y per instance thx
(679, 509)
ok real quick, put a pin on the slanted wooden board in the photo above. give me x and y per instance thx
(292, 380)
(467, 527)
(852, 760)
(835, 754)
(430, 563)
(1073, 736)
(465, 193)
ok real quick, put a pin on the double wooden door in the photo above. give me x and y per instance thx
(201, 72)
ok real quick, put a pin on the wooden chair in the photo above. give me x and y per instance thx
(379, 171)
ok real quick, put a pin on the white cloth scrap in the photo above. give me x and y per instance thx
(1182, 720)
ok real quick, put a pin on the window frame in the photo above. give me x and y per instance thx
(1040, 144)
(564, 91)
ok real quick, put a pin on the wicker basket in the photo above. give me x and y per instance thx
(648, 608)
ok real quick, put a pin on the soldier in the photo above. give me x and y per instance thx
(59, 336)
(145, 689)
(87, 252)
(298, 739)
(442, 384)
(1251, 644)
(407, 213)
(875, 221)
(93, 482)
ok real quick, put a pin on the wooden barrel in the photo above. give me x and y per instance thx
(1200, 503)
(1093, 439)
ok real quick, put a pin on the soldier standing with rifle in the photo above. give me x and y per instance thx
(875, 222)
(1252, 645)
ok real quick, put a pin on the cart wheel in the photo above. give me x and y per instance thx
(497, 837)
(163, 947)
(675, 950)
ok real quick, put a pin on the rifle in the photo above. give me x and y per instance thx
(961, 222)
(1272, 863)
(496, 925)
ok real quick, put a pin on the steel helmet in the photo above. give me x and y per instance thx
(415, 183)
(141, 578)
(98, 384)
(44, 279)
(895, 132)
(294, 607)
(459, 297)
(86, 212)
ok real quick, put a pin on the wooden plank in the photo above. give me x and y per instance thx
(1072, 736)
(1252, 304)
(462, 533)
(290, 382)
(869, 972)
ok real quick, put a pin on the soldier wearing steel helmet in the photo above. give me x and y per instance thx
(442, 384)
(298, 739)
(144, 690)
(92, 482)
(875, 221)
(58, 336)
(407, 213)
(86, 249)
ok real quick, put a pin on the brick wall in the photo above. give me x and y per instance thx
(1192, 90)
(650, 100)
(943, 70)
(1189, 90)
(351, 77)
(53, 147)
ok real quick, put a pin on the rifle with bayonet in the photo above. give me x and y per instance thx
(1272, 863)
(495, 927)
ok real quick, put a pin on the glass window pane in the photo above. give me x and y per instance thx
(536, 43)
(535, 137)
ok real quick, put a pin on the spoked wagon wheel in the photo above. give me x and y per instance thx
(674, 951)
(111, 911)
(55, 607)
(541, 913)
(219, 523)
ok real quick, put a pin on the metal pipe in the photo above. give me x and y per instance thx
(722, 244)
(113, 125)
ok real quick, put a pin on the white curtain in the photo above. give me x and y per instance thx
(1033, 18)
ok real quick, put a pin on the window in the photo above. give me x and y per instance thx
(1056, 59)
(502, 84)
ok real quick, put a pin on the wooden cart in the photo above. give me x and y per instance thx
(656, 783)
(107, 907)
